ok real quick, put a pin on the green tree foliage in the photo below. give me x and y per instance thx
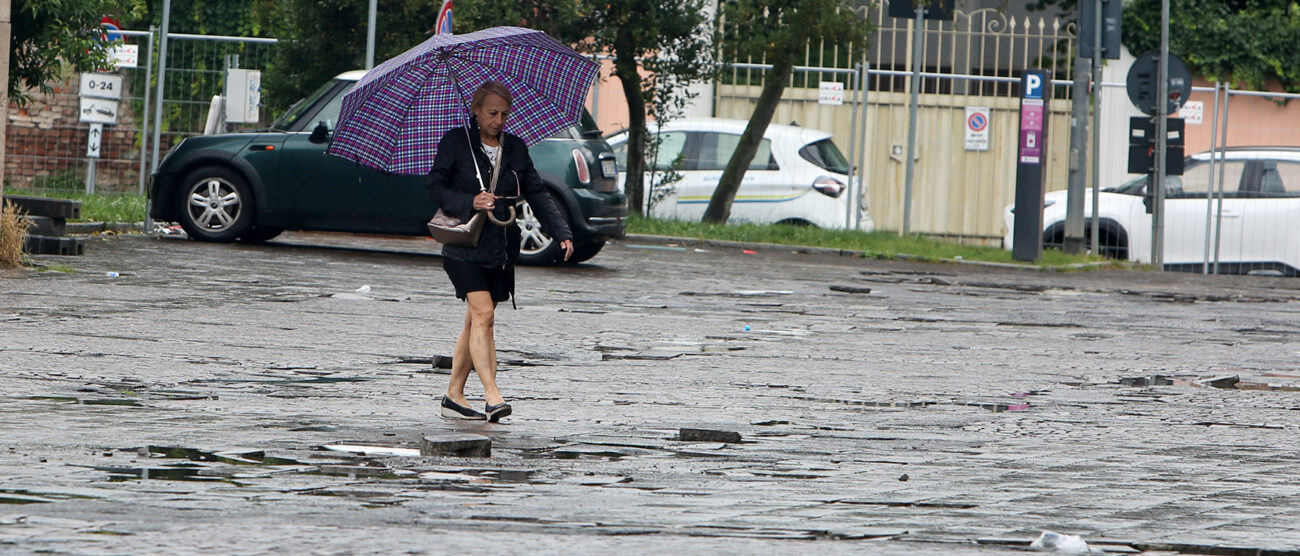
(777, 32)
(51, 37)
(1249, 42)
(322, 38)
(668, 39)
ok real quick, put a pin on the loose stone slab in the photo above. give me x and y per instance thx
(456, 444)
(707, 435)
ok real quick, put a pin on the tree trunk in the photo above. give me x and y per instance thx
(625, 67)
(719, 209)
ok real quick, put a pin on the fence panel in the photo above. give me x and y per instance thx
(46, 143)
(46, 147)
(972, 61)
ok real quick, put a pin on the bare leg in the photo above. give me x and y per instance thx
(460, 365)
(482, 344)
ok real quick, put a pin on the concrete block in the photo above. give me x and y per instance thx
(42, 206)
(46, 226)
(456, 444)
(49, 245)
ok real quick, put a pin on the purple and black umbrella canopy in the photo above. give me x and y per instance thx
(393, 118)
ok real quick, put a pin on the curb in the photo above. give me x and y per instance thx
(804, 249)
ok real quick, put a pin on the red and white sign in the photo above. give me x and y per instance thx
(443, 27)
(977, 128)
(830, 92)
(1193, 112)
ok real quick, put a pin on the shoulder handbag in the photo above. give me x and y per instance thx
(461, 232)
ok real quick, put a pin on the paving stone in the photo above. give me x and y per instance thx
(456, 444)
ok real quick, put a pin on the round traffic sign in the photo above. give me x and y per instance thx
(977, 122)
(1142, 78)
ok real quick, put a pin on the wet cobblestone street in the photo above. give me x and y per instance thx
(272, 398)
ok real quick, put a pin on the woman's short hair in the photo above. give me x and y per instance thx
(494, 87)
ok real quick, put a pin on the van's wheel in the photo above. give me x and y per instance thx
(215, 204)
(536, 247)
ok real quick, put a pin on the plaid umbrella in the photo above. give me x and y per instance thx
(393, 118)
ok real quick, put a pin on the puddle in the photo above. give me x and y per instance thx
(87, 401)
(251, 457)
(580, 451)
(372, 451)
(120, 474)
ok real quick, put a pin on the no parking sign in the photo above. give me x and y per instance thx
(977, 128)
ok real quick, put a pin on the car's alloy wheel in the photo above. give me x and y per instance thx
(536, 246)
(215, 205)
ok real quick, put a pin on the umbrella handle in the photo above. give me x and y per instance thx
(508, 221)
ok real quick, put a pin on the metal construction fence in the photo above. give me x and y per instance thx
(960, 188)
(47, 150)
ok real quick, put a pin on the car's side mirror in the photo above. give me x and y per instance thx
(320, 134)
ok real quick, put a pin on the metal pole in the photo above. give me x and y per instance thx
(862, 146)
(1209, 190)
(144, 126)
(853, 144)
(90, 176)
(162, 79)
(1073, 240)
(1162, 132)
(370, 36)
(1096, 129)
(1223, 148)
(917, 42)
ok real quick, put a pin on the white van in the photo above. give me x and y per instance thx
(798, 175)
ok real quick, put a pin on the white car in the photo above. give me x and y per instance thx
(1260, 214)
(798, 175)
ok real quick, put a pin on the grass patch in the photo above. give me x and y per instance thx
(97, 207)
(13, 235)
(876, 244)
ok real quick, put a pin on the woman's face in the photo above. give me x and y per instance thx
(492, 114)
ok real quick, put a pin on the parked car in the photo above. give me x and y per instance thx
(252, 186)
(798, 175)
(1260, 227)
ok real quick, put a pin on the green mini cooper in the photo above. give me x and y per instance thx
(251, 186)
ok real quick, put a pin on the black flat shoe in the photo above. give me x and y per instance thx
(453, 410)
(496, 412)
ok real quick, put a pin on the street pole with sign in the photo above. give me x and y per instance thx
(1027, 237)
(100, 93)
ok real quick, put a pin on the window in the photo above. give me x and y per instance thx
(1280, 179)
(1196, 179)
(826, 156)
(715, 151)
(669, 150)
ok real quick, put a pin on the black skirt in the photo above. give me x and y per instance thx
(469, 277)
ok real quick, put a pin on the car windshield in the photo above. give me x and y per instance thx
(1138, 185)
(301, 107)
(826, 156)
(586, 128)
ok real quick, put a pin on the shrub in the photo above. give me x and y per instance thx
(13, 234)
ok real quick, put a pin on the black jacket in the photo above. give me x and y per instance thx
(453, 185)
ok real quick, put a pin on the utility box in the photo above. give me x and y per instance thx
(243, 96)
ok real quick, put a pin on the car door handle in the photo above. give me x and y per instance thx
(1229, 214)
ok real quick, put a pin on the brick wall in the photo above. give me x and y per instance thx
(45, 144)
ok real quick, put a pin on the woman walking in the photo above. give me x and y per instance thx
(467, 161)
